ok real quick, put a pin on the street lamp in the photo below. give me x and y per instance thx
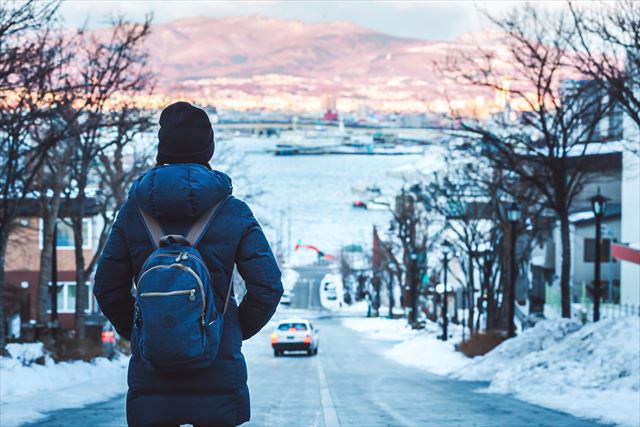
(599, 207)
(445, 253)
(513, 215)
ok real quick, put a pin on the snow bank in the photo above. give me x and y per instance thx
(429, 353)
(590, 371)
(421, 349)
(28, 353)
(380, 328)
(543, 336)
(289, 279)
(28, 391)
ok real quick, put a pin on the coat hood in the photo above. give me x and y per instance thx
(179, 191)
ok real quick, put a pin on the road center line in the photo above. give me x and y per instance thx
(328, 408)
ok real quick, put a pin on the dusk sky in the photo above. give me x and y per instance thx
(439, 20)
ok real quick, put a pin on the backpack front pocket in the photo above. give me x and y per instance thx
(171, 328)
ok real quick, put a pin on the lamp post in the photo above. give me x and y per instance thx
(54, 276)
(445, 253)
(599, 207)
(513, 215)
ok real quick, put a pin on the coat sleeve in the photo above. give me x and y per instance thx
(113, 278)
(258, 267)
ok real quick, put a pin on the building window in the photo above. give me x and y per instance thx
(590, 250)
(67, 298)
(65, 235)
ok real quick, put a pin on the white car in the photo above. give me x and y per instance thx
(286, 297)
(295, 335)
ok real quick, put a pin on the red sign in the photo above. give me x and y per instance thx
(625, 253)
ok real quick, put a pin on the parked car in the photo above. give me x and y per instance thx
(286, 297)
(295, 335)
(108, 338)
(329, 289)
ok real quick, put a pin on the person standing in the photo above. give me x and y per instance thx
(178, 191)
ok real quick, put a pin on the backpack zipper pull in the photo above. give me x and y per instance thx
(184, 256)
(192, 295)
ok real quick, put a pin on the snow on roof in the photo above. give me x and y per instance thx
(581, 216)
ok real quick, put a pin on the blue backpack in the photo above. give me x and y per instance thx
(176, 324)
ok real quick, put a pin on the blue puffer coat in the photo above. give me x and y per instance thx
(176, 195)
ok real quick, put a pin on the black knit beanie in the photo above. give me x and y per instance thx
(185, 135)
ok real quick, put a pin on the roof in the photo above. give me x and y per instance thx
(31, 207)
(586, 217)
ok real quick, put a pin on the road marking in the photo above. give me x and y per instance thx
(309, 293)
(385, 407)
(328, 408)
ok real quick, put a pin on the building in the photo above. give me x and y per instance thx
(627, 251)
(22, 267)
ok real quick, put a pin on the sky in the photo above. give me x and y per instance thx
(430, 20)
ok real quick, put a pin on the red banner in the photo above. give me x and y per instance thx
(625, 253)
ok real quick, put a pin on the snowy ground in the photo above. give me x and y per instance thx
(590, 371)
(71, 384)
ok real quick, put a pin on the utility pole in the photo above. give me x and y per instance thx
(445, 302)
(513, 215)
(599, 206)
(472, 286)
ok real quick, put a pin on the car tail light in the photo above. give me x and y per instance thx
(274, 338)
(307, 339)
(293, 329)
(108, 336)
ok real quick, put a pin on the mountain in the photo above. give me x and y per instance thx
(247, 62)
(246, 46)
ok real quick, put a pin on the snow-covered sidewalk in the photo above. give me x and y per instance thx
(29, 390)
(590, 371)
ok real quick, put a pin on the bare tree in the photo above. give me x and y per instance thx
(607, 49)
(546, 146)
(406, 255)
(50, 184)
(28, 56)
(109, 67)
(126, 158)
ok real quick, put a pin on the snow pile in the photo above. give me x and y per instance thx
(26, 391)
(544, 335)
(590, 371)
(380, 328)
(422, 349)
(429, 353)
(29, 353)
(289, 279)
(593, 371)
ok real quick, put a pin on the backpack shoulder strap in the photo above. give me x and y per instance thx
(202, 224)
(154, 229)
(226, 300)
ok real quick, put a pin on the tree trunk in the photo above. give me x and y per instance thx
(78, 240)
(565, 272)
(49, 218)
(4, 241)
(81, 297)
(45, 267)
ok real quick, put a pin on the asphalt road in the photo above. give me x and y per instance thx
(348, 383)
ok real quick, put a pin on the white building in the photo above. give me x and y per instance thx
(628, 251)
